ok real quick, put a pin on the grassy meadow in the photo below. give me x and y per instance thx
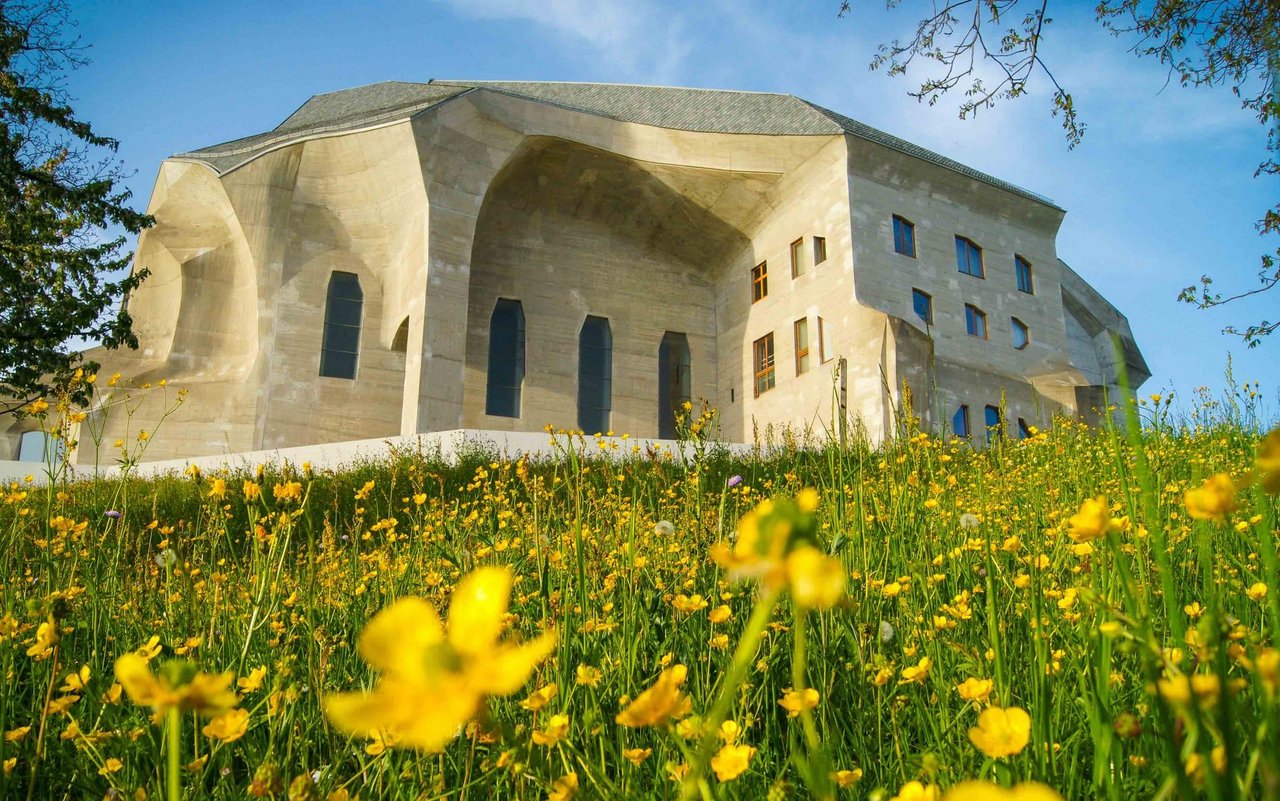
(1081, 614)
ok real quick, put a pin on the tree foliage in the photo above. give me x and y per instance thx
(991, 51)
(63, 267)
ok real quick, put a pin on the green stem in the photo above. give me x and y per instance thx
(173, 735)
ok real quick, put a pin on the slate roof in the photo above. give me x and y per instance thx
(695, 110)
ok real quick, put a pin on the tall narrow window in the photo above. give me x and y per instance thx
(960, 422)
(995, 426)
(922, 302)
(904, 236)
(797, 258)
(762, 358)
(975, 321)
(802, 345)
(1022, 269)
(759, 281)
(823, 356)
(1021, 334)
(819, 249)
(506, 359)
(343, 309)
(675, 381)
(595, 375)
(969, 258)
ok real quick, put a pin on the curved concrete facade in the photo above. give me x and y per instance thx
(643, 205)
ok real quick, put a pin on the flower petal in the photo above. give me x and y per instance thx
(477, 610)
(397, 639)
(508, 669)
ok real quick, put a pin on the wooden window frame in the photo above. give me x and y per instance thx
(797, 258)
(760, 282)
(928, 299)
(902, 223)
(1017, 325)
(800, 331)
(1021, 265)
(764, 364)
(982, 264)
(980, 316)
(819, 250)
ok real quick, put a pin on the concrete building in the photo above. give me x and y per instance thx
(412, 257)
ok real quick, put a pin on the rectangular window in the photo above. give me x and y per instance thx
(904, 236)
(802, 345)
(960, 422)
(763, 361)
(1021, 334)
(343, 312)
(823, 357)
(797, 258)
(975, 321)
(969, 258)
(922, 302)
(760, 281)
(819, 249)
(1022, 268)
(995, 426)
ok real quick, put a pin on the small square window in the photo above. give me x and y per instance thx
(797, 258)
(1022, 269)
(904, 236)
(819, 249)
(969, 258)
(801, 330)
(762, 356)
(975, 321)
(922, 302)
(960, 422)
(759, 282)
(1021, 334)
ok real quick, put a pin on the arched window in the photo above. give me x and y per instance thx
(674, 381)
(595, 375)
(506, 359)
(342, 313)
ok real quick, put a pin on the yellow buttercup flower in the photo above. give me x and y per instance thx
(1092, 522)
(636, 755)
(557, 729)
(731, 761)
(972, 689)
(917, 673)
(1257, 591)
(1268, 462)
(229, 726)
(660, 702)
(769, 536)
(432, 680)
(915, 791)
(986, 791)
(564, 788)
(1212, 500)
(178, 685)
(846, 778)
(587, 676)
(797, 701)
(1001, 732)
(816, 580)
(540, 697)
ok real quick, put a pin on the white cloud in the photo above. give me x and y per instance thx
(632, 41)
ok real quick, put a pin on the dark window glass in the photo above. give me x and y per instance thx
(991, 418)
(1024, 430)
(1022, 269)
(595, 375)
(343, 307)
(923, 304)
(819, 249)
(904, 237)
(969, 257)
(506, 359)
(675, 381)
(975, 321)
(1021, 334)
(960, 422)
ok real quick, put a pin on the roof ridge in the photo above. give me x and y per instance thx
(455, 82)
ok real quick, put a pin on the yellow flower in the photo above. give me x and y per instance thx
(915, 791)
(1212, 500)
(14, 735)
(178, 685)
(218, 488)
(289, 491)
(1257, 592)
(540, 697)
(817, 580)
(564, 788)
(150, 649)
(1269, 462)
(720, 614)
(112, 765)
(1001, 732)
(688, 604)
(251, 491)
(1092, 522)
(731, 761)
(972, 689)
(846, 778)
(555, 730)
(229, 726)
(766, 535)
(75, 682)
(660, 702)
(891, 590)
(917, 673)
(588, 676)
(434, 681)
(46, 638)
(986, 791)
(253, 681)
(796, 702)
(637, 755)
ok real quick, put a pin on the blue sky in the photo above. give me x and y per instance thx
(1160, 191)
